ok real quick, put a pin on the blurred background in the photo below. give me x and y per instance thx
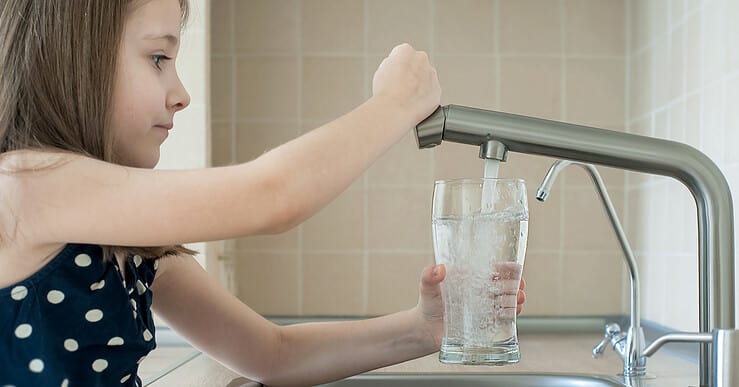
(262, 72)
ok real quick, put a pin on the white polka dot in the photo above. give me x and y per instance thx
(36, 365)
(137, 260)
(99, 365)
(147, 335)
(83, 260)
(65, 383)
(133, 304)
(71, 345)
(125, 378)
(94, 315)
(55, 296)
(134, 314)
(115, 341)
(140, 287)
(19, 292)
(97, 285)
(156, 265)
(23, 331)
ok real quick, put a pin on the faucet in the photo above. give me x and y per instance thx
(629, 345)
(504, 132)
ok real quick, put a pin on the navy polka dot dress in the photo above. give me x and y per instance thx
(76, 322)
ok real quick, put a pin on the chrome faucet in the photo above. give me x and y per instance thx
(503, 132)
(629, 345)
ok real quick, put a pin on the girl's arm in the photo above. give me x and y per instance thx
(299, 355)
(89, 201)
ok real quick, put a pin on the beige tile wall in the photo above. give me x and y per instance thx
(283, 67)
(683, 77)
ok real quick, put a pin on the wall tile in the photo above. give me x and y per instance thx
(545, 219)
(221, 39)
(475, 35)
(254, 139)
(732, 120)
(682, 292)
(331, 86)
(333, 284)
(586, 224)
(694, 49)
(468, 81)
(404, 163)
(333, 26)
(595, 27)
(399, 218)
(676, 57)
(592, 284)
(221, 140)
(677, 121)
(693, 120)
(635, 219)
(531, 86)
(338, 226)
(576, 177)
(661, 73)
(454, 161)
(286, 242)
(653, 278)
(731, 30)
(712, 123)
(391, 22)
(543, 274)
(267, 26)
(221, 92)
(640, 84)
(586, 75)
(267, 87)
(268, 282)
(639, 23)
(530, 27)
(657, 13)
(393, 281)
(714, 41)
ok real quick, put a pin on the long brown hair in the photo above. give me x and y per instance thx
(57, 69)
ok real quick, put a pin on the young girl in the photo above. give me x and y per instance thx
(88, 91)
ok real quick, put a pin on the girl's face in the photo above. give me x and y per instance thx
(147, 90)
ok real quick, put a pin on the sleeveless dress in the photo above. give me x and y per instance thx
(76, 322)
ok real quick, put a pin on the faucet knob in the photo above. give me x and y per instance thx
(613, 334)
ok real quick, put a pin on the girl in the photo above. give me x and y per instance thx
(88, 91)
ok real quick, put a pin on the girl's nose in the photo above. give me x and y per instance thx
(178, 97)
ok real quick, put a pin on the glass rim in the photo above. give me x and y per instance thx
(478, 180)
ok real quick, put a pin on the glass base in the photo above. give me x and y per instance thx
(495, 356)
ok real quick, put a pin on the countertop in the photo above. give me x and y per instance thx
(540, 353)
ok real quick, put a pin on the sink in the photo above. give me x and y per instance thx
(476, 380)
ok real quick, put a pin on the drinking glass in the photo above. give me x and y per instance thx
(480, 227)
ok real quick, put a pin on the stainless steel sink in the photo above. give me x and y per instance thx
(476, 380)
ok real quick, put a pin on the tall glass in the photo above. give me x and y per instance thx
(480, 227)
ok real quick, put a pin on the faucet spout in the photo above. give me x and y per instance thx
(633, 347)
(627, 151)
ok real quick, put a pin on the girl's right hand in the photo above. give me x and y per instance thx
(407, 78)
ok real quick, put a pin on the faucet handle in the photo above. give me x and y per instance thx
(613, 330)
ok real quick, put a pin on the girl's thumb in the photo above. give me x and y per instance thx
(433, 275)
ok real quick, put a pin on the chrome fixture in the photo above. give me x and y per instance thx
(629, 345)
(626, 151)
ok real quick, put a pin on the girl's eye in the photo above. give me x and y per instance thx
(157, 59)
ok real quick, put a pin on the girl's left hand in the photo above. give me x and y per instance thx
(430, 307)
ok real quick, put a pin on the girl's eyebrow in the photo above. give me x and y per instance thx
(171, 39)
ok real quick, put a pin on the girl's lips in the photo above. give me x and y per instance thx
(165, 126)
